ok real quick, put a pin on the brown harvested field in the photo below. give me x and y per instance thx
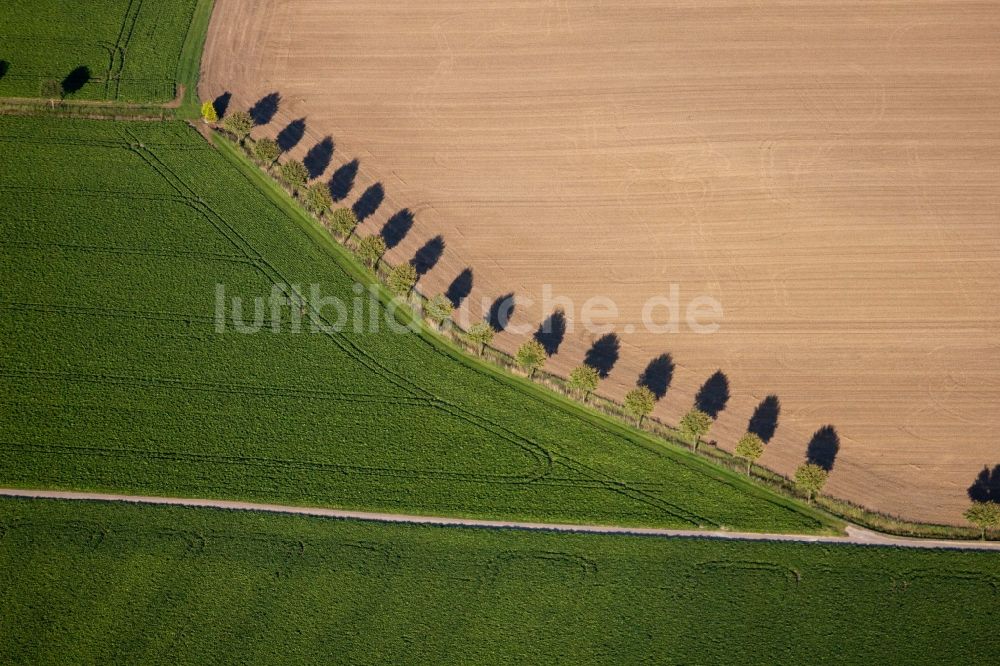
(830, 172)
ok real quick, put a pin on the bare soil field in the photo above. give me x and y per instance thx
(830, 173)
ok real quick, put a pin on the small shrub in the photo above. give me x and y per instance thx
(810, 479)
(318, 198)
(343, 222)
(208, 113)
(294, 174)
(370, 250)
(266, 151)
(401, 279)
(750, 448)
(639, 402)
(239, 125)
(481, 334)
(531, 356)
(695, 425)
(439, 309)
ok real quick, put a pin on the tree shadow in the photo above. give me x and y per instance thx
(4, 66)
(552, 331)
(500, 312)
(428, 255)
(603, 354)
(221, 103)
(986, 487)
(265, 109)
(658, 375)
(343, 180)
(764, 421)
(318, 158)
(823, 447)
(75, 80)
(396, 228)
(289, 137)
(460, 288)
(368, 202)
(713, 394)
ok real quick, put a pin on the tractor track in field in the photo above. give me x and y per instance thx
(855, 535)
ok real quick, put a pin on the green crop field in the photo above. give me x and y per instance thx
(114, 237)
(119, 50)
(87, 583)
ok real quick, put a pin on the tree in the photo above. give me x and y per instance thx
(810, 478)
(439, 309)
(267, 152)
(51, 90)
(750, 447)
(984, 515)
(401, 279)
(584, 379)
(295, 174)
(481, 333)
(239, 125)
(639, 402)
(531, 356)
(343, 221)
(318, 198)
(695, 425)
(208, 113)
(370, 250)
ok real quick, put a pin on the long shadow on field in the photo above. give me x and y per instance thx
(552, 331)
(265, 109)
(500, 312)
(289, 137)
(658, 375)
(823, 447)
(318, 158)
(4, 66)
(396, 227)
(713, 394)
(343, 180)
(221, 104)
(986, 487)
(368, 202)
(764, 421)
(603, 354)
(428, 255)
(460, 288)
(75, 80)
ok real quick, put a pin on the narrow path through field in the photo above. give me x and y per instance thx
(855, 535)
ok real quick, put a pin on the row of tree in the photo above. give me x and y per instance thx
(694, 425)
(343, 221)
(809, 478)
(532, 355)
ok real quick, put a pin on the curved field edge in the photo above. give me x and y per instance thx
(117, 582)
(348, 262)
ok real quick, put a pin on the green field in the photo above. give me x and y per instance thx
(112, 375)
(120, 50)
(87, 583)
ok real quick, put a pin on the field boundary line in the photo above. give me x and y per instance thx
(346, 262)
(855, 535)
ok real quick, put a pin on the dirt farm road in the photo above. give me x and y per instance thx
(855, 535)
